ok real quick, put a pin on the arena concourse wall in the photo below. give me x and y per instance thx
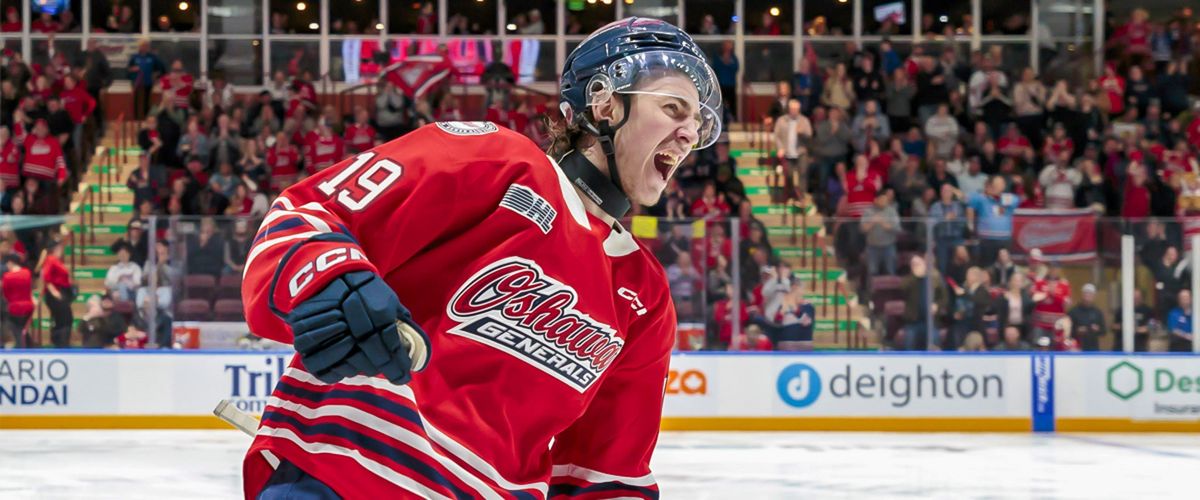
(1031, 392)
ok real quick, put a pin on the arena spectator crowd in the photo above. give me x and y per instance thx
(871, 141)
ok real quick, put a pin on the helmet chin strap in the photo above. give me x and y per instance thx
(605, 191)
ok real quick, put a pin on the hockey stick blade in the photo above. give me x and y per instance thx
(239, 419)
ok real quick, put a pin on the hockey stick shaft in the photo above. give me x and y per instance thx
(239, 419)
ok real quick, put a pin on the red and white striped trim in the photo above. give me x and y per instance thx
(596, 477)
(466, 456)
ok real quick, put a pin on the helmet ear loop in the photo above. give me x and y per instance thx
(607, 138)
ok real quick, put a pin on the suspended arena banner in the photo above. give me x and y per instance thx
(1062, 235)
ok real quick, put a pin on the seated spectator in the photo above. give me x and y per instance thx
(1012, 341)
(322, 149)
(752, 340)
(142, 183)
(136, 241)
(796, 317)
(684, 281)
(1179, 323)
(237, 247)
(881, 225)
(973, 342)
(1013, 144)
(779, 105)
(1141, 324)
(193, 143)
(1059, 181)
(724, 316)
(165, 278)
(1087, 321)
(100, 325)
(124, 277)
(871, 123)
(205, 250)
(949, 214)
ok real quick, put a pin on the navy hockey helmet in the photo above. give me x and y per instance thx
(613, 58)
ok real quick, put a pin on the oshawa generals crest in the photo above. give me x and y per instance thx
(513, 306)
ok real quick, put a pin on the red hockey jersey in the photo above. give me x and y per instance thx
(44, 159)
(360, 137)
(284, 165)
(178, 89)
(321, 153)
(78, 103)
(546, 325)
(10, 165)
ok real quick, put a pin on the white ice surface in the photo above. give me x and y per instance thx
(699, 465)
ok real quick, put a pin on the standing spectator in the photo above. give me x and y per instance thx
(1029, 101)
(1003, 270)
(1051, 298)
(942, 130)
(219, 94)
(710, 205)
(223, 146)
(684, 280)
(917, 307)
(1142, 316)
(283, 162)
(900, 93)
(839, 90)
(1168, 279)
(58, 294)
(97, 76)
(1138, 91)
(237, 247)
(148, 138)
(778, 107)
(1173, 88)
(17, 284)
(1015, 304)
(124, 277)
(206, 250)
(973, 181)
(165, 278)
(1087, 321)
(831, 144)
(932, 89)
(950, 218)
(726, 66)
(322, 148)
(177, 86)
(194, 142)
(797, 318)
(44, 159)
(981, 83)
(868, 83)
(142, 183)
(881, 225)
(992, 213)
(10, 167)
(1179, 323)
(870, 124)
(360, 135)
(1113, 87)
(1059, 181)
(793, 134)
(391, 112)
(807, 86)
(144, 68)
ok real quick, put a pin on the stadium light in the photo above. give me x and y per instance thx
(511, 27)
(607, 2)
(628, 2)
(774, 11)
(314, 26)
(183, 6)
(944, 19)
(301, 6)
(379, 26)
(591, 1)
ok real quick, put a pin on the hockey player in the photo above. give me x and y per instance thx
(459, 301)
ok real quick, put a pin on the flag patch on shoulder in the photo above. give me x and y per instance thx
(524, 201)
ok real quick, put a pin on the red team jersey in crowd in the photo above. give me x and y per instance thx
(360, 137)
(283, 163)
(44, 159)
(78, 103)
(1054, 306)
(321, 153)
(178, 89)
(10, 165)
(545, 323)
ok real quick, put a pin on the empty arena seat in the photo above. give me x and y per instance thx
(193, 310)
(230, 287)
(228, 310)
(199, 286)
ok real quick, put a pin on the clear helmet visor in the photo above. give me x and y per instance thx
(632, 74)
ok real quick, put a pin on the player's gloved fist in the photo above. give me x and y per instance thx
(357, 326)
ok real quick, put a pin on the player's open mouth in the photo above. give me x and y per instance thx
(665, 162)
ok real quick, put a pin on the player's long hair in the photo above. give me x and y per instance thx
(564, 136)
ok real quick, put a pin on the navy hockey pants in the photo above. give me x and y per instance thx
(290, 483)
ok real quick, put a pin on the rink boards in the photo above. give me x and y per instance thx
(704, 391)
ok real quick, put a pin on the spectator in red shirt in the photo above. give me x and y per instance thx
(12, 20)
(710, 205)
(861, 186)
(283, 161)
(360, 135)
(177, 86)
(322, 149)
(58, 294)
(75, 99)
(1113, 86)
(44, 24)
(43, 156)
(1013, 144)
(17, 284)
(723, 316)
(10, 163)
(752, 340)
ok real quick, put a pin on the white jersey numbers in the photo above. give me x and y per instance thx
(367, 186)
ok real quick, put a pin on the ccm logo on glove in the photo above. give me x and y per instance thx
(321, 264)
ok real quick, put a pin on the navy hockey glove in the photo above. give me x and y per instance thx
(357, 326)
